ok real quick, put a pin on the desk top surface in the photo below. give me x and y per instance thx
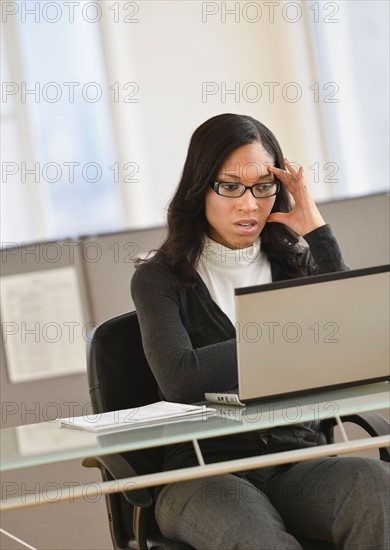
(47, 442)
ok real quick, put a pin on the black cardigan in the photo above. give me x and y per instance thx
(190, 346)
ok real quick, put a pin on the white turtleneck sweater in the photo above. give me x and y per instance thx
(224, 269)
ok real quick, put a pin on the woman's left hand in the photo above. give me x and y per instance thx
(304, 216)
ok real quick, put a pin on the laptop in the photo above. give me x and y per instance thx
(310, 334)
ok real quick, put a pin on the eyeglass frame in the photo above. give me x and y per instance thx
(215, 187)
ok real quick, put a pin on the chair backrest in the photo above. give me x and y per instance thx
(119, 377)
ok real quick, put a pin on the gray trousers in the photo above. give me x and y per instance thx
(341, 500)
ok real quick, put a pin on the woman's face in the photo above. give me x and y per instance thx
(238, 222)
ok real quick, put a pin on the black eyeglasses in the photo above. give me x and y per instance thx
(235, 190)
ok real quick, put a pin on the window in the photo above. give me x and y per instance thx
(59, 157)
(351, 44)
(60, 171)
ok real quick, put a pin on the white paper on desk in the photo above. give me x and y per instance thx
(161, 412)
(42, 324)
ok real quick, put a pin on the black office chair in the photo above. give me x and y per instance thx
(119, 377)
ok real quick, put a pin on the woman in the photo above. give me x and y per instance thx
(230, 223)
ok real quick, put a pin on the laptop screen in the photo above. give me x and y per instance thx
(313, 333)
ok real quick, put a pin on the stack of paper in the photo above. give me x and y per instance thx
(162, 412)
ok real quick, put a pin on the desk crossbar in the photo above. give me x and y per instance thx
(196, 472)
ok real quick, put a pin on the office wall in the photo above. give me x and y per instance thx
(108, 279)
(362, 228)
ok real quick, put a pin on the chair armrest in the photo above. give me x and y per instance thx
(119, 468)
(374, 424)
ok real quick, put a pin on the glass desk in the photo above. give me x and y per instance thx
(47, 442)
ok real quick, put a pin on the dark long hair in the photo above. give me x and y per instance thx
(210, 145)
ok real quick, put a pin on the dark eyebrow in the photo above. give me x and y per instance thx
(234, 176)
